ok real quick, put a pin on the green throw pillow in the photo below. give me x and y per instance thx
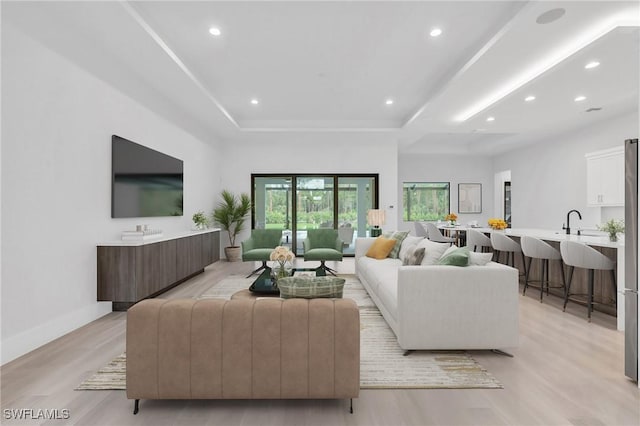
(310, 287)
(399, 236)
(455, 257)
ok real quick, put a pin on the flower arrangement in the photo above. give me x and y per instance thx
(201, 221)
(282, 255)
(496, 223)
(451, 217)
(613, 227)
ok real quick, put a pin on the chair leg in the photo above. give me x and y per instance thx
(264, 266)
(590, 299)
(567, 290)
(541, 279)
(564, 280)
(524, 264)
(526, 277)
(546, 264)
(136, 406)
(326, 268)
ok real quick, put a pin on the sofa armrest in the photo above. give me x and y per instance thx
(306, 245)
(474, 307)
(362, 246)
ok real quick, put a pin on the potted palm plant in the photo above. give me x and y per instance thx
(231, 214)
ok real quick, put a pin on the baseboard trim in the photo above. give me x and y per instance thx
(20, 344)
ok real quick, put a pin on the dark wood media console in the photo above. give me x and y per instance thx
(128, 273)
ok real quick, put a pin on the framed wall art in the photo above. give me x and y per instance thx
(469, 198)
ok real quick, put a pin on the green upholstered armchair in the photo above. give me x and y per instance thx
(260, 245)
(323, 245)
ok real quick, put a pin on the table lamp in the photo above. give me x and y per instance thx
(376, 219)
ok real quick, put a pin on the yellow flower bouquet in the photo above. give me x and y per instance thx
(451, 218)
(496, 223)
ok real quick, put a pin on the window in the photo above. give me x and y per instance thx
(425, 200)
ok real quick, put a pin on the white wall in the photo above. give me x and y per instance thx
(448, 168)
(548, 178)
(324, 153)
(56, 187)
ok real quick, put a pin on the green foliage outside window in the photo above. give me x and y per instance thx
(425, 200)
(315, 207)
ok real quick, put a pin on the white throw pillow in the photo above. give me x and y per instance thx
(479, 259)
(408, 245)
(432, 251)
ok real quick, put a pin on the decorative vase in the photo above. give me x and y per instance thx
(280, 270)
(613, 236)
(452, 222)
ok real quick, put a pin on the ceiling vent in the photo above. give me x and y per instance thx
(593, 109)
(551, 16)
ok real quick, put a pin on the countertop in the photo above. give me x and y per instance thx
(551, 235)
(164, 237)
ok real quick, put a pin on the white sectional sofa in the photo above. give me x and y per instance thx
(443, 307)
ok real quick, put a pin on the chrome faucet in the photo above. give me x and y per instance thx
(568, 228)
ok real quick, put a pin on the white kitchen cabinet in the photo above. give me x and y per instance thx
(605, 178)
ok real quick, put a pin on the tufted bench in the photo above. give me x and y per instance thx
(243, 349)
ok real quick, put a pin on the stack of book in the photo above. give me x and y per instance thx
(141, 235)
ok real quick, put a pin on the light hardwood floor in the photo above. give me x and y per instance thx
(565, 372)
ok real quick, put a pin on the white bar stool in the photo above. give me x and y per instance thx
(434, 234)
(501, 243)
(535, 248)
(477, 239)
(579, 255)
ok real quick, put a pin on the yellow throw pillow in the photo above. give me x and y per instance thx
(381, 248)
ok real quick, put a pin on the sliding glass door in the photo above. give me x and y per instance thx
(318, 201)
(314, 206)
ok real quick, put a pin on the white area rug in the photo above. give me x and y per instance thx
(382, 364)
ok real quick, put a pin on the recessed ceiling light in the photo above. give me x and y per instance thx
(592, 64)
(550, 16)
(580, 98)
(214, 31)
(529, 98)
(389, 102)
(254, 102)
(435, 32)
(491, 118)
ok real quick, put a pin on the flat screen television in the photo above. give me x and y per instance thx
(145, 182)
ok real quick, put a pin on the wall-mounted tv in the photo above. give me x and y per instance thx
(144, 182)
